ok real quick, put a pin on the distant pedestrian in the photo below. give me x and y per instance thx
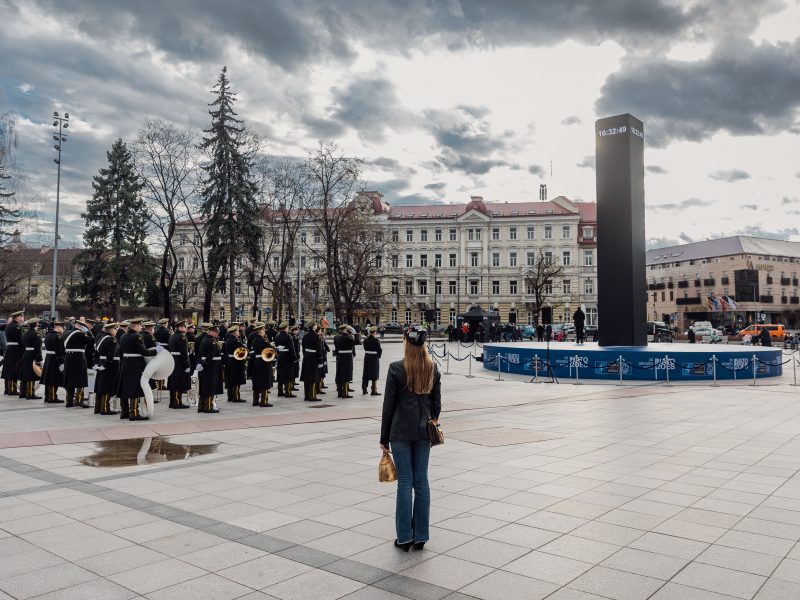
(540, 333)
(692, 336)
(765, 338)
(579, 319)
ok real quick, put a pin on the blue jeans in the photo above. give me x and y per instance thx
(412, 519)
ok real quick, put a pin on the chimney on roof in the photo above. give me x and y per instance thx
(543, 191)
(476, 198)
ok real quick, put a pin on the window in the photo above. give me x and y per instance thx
(395, 235)
(588, 232)
(495, 287)
(195, 262)
(530, 232)
(531, 317)
(547, 288)
(452, 234)
(438, 235)
(453, 317)
(423, 235)
(565, 232)
(409, 287)
(495, 233)
(473, 259)
(195, 288)
(588, 258)
(588, 286)
(181, 263)
(395, 287)
(423, 260)
(395, 261)
(276, 262)
(470, 234)
(316, 237)
(379, 261)
(478, 234)
(183, 239)
(548, 232)
(437, 287)
(565, 285)
(394, 315)
(530, 289)
(512, 259)
(408, 317)
(302, 262)
(409, 235)
(35, 290)
(196, 238)
(512, 233)
(530, 259)
(238, 287)
(303, 237)
(179, 287)
(452, 288)
(512, 287)
(315, 262)
(473, 287)
(452, 260)
(422, 286)
(591, 316)
(548, 258)
(437, 260)
(409, 261)
(495, 259)
(565, 257)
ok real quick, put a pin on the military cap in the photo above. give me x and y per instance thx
(135, 321)
(180, 324)
(57, 323)
(163, 321)
(283, 325)
(310, 325)
(110, 325)
(18, 313)
(205, 324)
(124, 323)
(87, 321)
(34, 321)
(212, 327)
(258, 327)
(235, 323)
(190, 325)
(295, 328)
(149, 323)
(271, 323)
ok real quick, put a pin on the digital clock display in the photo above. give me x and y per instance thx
(622, 129)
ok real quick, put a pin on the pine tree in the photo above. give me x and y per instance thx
(115, 265)
(9, 217)
(229, 195)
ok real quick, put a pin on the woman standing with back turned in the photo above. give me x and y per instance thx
(412, 396)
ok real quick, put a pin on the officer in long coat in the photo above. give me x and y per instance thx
(344, 348)
(14, 351)
(262, 370)
(235, 376)
(132, 366)
(209, 367)
(180, 380)
(76, 377)
(372, 361)
(148, 335)
(271, 331)
(162, 333)
(309, 373)
(294, 331)
(31, 352)
(286, 359)
(53, 370)
(106, 383)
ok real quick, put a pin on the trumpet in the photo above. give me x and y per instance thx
(240, 353)
(268, 354)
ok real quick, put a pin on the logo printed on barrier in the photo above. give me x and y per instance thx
(662, 364)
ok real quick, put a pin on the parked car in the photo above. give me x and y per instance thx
(658, 331)
(590, 331)
(705, 332)
(776, 332)
(393, 327)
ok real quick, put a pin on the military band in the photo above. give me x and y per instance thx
(209, 364)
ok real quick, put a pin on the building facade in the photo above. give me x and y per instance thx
(729, 281)
(441, 259)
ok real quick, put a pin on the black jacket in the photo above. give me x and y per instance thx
(404, 415)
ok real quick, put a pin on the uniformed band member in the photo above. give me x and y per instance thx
(344, 348)
(262, 370)
(14, 351)
(286, 359)
(309, 374)
(76, 377)
(106, 383)
(294, 331)
(235, 375)
(133, 352)
(372, 361)
(53, 370)
(122, 330)
(271, 331)
(180, 380)
(31, 353)
(209, 367)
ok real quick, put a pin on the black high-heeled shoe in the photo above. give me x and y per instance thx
(419, 545)
(404, 547)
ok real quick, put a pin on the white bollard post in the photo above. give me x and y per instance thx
(666, 370)
(536, 368)
(577, 370)
(469, 360)
(714, 369)
(447, 372)
(499, 366)
(619, 368)
(754, 369)
(794, 370)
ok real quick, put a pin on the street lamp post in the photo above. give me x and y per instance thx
(62, 123)
(435, 296)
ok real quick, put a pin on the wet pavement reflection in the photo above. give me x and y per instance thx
(143, 451)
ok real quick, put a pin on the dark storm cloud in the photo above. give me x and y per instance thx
(415, 199)
(685, 237)
(436, 187)
(730, 176)
(536, 170)
(741, 88)
(775, 234)
(571, 120)
(680, 206)
(369, 105)
(655, 169)
(787, 200)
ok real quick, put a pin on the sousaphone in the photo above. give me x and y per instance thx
(240, 353)
(268, 354)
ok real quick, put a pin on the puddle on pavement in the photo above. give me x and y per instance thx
(143, 451)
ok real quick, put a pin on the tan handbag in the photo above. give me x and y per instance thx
(387, 472)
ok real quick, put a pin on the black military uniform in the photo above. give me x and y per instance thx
(106, 383)
(344, 348)
(372, 363)
(52, 375)
(234, 369)
(309, 374)
(286, 359)
(31, 352)
(322, 360)
(271, 331)
(298, 352)
(191, 341)
(210, 361)
(262, 370)
(132, 366)
(180, 380)
(150, 342)
(161, 337)
(76, 377)
(13, 354)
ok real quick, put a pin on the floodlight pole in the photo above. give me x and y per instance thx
(62, 123)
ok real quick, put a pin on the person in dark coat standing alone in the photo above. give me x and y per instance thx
(344, 348)
(579, 319)
(53, 373)
(372, 362)
(76, 377)
(262, 370)
(309, 373)
(132, 366)
(765, 338)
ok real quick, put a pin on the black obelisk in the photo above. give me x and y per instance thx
(621, 279)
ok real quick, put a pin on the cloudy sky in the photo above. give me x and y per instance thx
(443, 99)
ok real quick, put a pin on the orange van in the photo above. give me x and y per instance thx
(776, 332)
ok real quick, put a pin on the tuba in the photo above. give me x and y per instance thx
(159, 366)
(268, 354)
(37, 370)
(240, 353)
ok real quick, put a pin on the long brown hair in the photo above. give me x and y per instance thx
(419, 368)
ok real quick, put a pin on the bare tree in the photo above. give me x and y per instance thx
(539, 281)
(166, 159)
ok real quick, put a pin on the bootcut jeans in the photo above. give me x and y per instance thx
(412, 519)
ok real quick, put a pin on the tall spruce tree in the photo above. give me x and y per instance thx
(229, 195)
(9, 216)
(115, 265)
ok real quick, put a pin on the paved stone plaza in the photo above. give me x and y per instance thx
(549, 491)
